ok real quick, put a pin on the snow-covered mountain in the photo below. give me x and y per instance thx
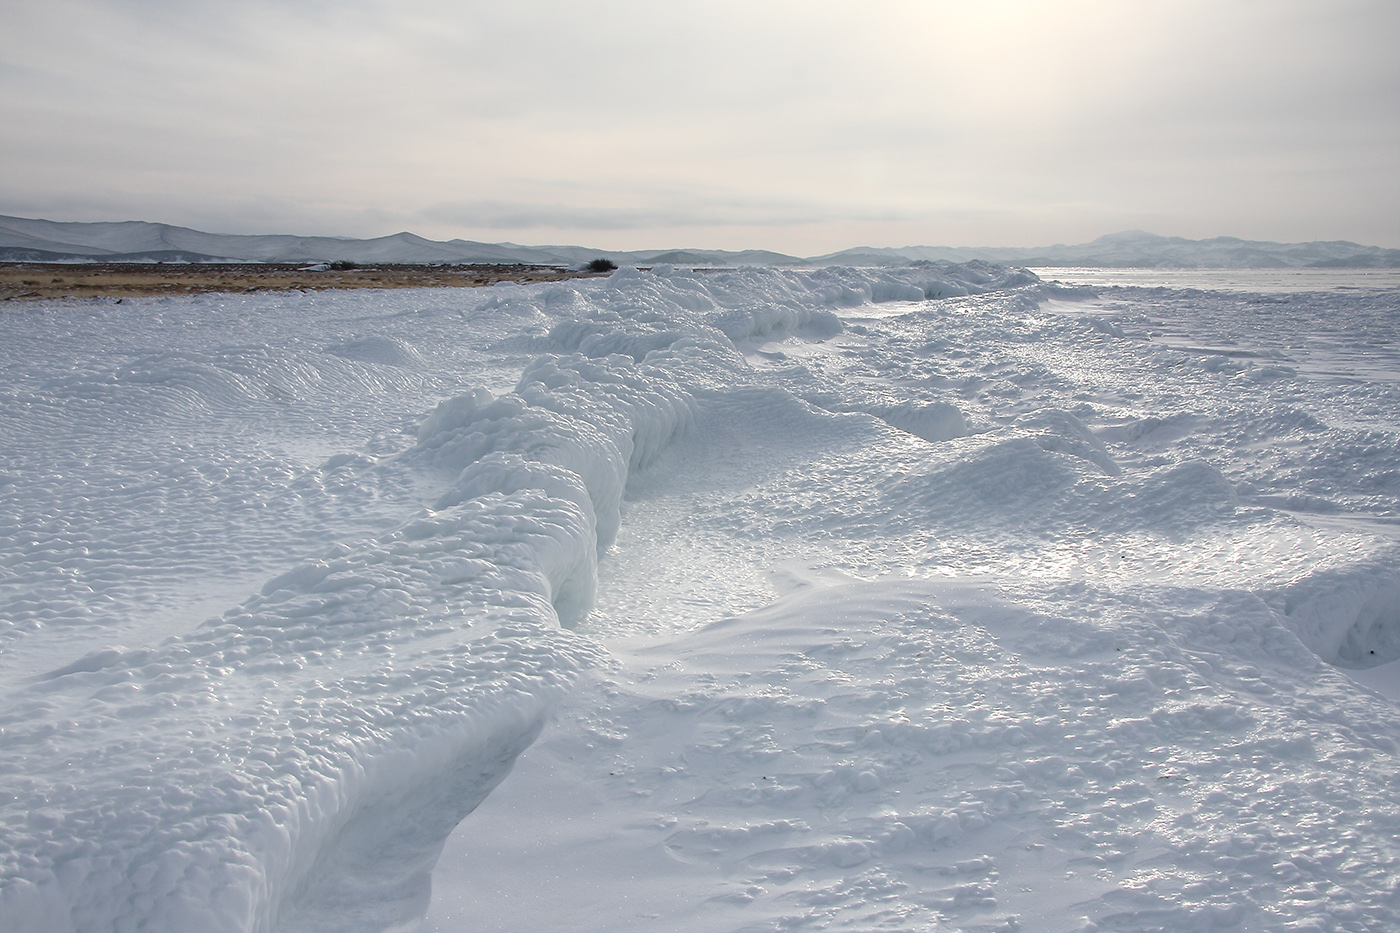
(28, 240)
(39, 240)
(23, 239)
(1139, 249)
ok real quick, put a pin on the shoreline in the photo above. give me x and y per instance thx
(33, 281)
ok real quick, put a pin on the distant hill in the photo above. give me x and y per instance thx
(28, 240)
(1138, 249)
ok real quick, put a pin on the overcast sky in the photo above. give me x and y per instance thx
(803, 126)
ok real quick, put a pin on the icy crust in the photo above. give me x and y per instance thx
(1169, 454)
(922, 754)
(247, 774)
(1348, 615)
(1077, 682)
(595, 419)
(296, 764)
(146, 443)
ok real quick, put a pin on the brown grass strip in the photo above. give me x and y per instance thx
(28, 281)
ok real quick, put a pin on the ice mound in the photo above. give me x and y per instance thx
(390, 351)
(848, 288)
(933, 421)
(1060, 431)
(767, 321)
(598, 419)
(1349, 617)
(598, 339)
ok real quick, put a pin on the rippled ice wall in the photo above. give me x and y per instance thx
(416, 488)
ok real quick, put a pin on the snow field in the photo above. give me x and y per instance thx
(1105, 699)
(297, 762)
(918, 599)
(919, 755)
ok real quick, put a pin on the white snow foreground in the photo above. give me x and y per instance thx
(925, 601)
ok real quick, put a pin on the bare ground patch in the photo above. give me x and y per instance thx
(21, 281)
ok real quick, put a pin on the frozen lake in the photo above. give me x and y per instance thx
(925, 598)
(1259, 281)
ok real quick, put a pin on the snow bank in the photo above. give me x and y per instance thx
(297, 763)
(1348, 616)
(574, 428)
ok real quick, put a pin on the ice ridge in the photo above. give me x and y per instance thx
(296, 763)
(253, 774)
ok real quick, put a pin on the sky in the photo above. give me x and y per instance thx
(803, 126)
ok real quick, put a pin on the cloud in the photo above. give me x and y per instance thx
(1269, 119)
(525, 215)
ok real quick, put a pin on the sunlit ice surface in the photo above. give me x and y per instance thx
(1259, 281)
(930, 598)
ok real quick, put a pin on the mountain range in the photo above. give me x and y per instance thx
(30, 240)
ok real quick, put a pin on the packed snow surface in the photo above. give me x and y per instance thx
(936, 598)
